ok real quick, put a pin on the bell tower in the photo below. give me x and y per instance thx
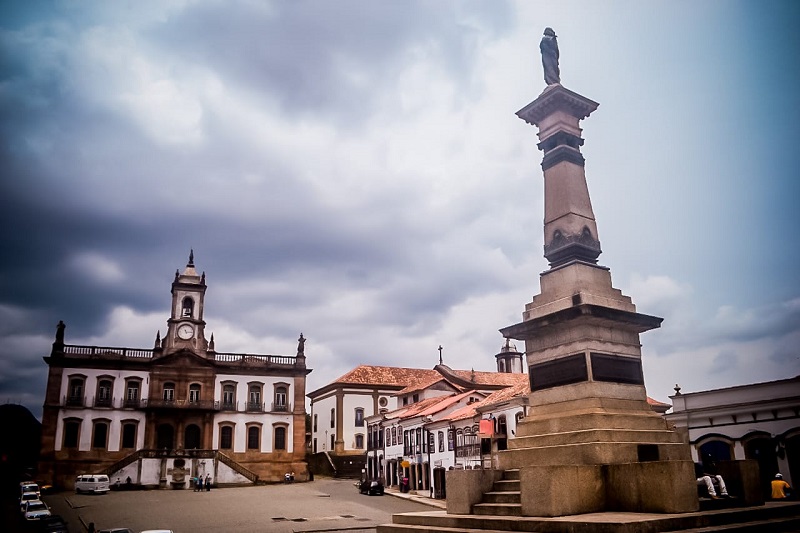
(186, 327)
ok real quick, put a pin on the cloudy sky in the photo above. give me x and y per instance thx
(354, 170)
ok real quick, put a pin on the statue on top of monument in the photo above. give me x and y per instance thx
(549, 48)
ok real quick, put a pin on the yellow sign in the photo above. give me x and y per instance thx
(405, 464)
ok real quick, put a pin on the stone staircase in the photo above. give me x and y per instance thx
(772, 517)
(503, 499)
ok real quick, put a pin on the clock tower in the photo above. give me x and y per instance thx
(186, 327)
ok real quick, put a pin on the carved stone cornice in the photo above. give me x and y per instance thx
(557, 98)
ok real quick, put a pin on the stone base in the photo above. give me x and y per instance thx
(652, 487)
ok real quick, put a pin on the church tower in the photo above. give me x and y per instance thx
(186, 327)
(509, 360)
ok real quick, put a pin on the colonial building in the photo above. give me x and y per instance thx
(160, 416)
(759, 421)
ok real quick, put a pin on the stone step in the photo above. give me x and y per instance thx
(532, 426)
(497, 509)
(756, 526)
(501, 497)
(595, 435)
(590, 453)
(506, 485)
(408, 528)
(784, 516)
(511, 474)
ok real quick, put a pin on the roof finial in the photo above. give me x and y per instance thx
(191, 258)
(440, 355)
(677, 390)
(158, 339)
(211, 346)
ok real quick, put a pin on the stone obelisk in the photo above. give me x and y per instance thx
(591, 442)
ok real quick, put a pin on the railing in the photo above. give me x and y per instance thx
(244, 358)
(104, 402)
(254, 407)
(249, 474)
(74, 349)
(281, 407)
(227, 406)
(132, 403)
(180, 404)
(74, 401)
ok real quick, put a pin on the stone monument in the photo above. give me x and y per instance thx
(591, 441)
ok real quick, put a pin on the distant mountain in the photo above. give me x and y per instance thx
(19, 443)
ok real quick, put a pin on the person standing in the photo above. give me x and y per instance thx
(208, 482)
(779, 487)
(200, 483)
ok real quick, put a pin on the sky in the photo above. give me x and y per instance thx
(354, 170)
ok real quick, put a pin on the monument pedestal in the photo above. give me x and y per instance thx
(591, 441)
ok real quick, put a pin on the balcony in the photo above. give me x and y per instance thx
(131, 403)
(281, 407)
(227, 406)
(158, 403)
(74, 401)
(105, 401)
(254, 407)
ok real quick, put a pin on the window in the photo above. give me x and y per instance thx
(226, 437)
(75, 393)
(253, 438)
(229, 397)
(419, 441)
(359, 417)
(502, 427)
(194, 393)
(129, 435)
(388, 437)
(333, 418)
(450, 438)
(383, 402)
(315, 445)
(405, 400)
(281, 404)
(280, 438)
(169, 392)
(431, 442)
(254, 397)
(103, 398)
(315, 422)
(441, 441)
(132, 388)
(72, 430)
(333, 442)
(359, 441)
(518, 417)
(100, 435)
(187, 307)
(394, 436)
(416, 398)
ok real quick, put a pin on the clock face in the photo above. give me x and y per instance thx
(185, 331)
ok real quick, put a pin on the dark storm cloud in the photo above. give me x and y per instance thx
(328, 57)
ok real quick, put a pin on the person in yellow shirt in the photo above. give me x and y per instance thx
(779, 487)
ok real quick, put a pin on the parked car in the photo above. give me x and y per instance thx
(116, 530)
(157, 531)
(36, 510)
(371, 487)
(94, 483)
(29, 486)
(25, 498)
(52, 524)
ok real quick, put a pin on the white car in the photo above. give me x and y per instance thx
(29, 486)
(36, 510)
(25, 498)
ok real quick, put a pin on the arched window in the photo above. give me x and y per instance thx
(75, 392)
(194, 393)
(518, 417)
(132, 388)
(72, 431)
(388, 437)
(359, 417)
(229, 397)
(253, 438)
(280, 438)
(450, 439)
(129, 435)
(100, 435)
(226, 437)
(441, 441)
(394, 436)
(502, 427)
(359, 441)
(103, 396)
(169, 392)
(187, 307)
(281, 393)
(254, 397)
